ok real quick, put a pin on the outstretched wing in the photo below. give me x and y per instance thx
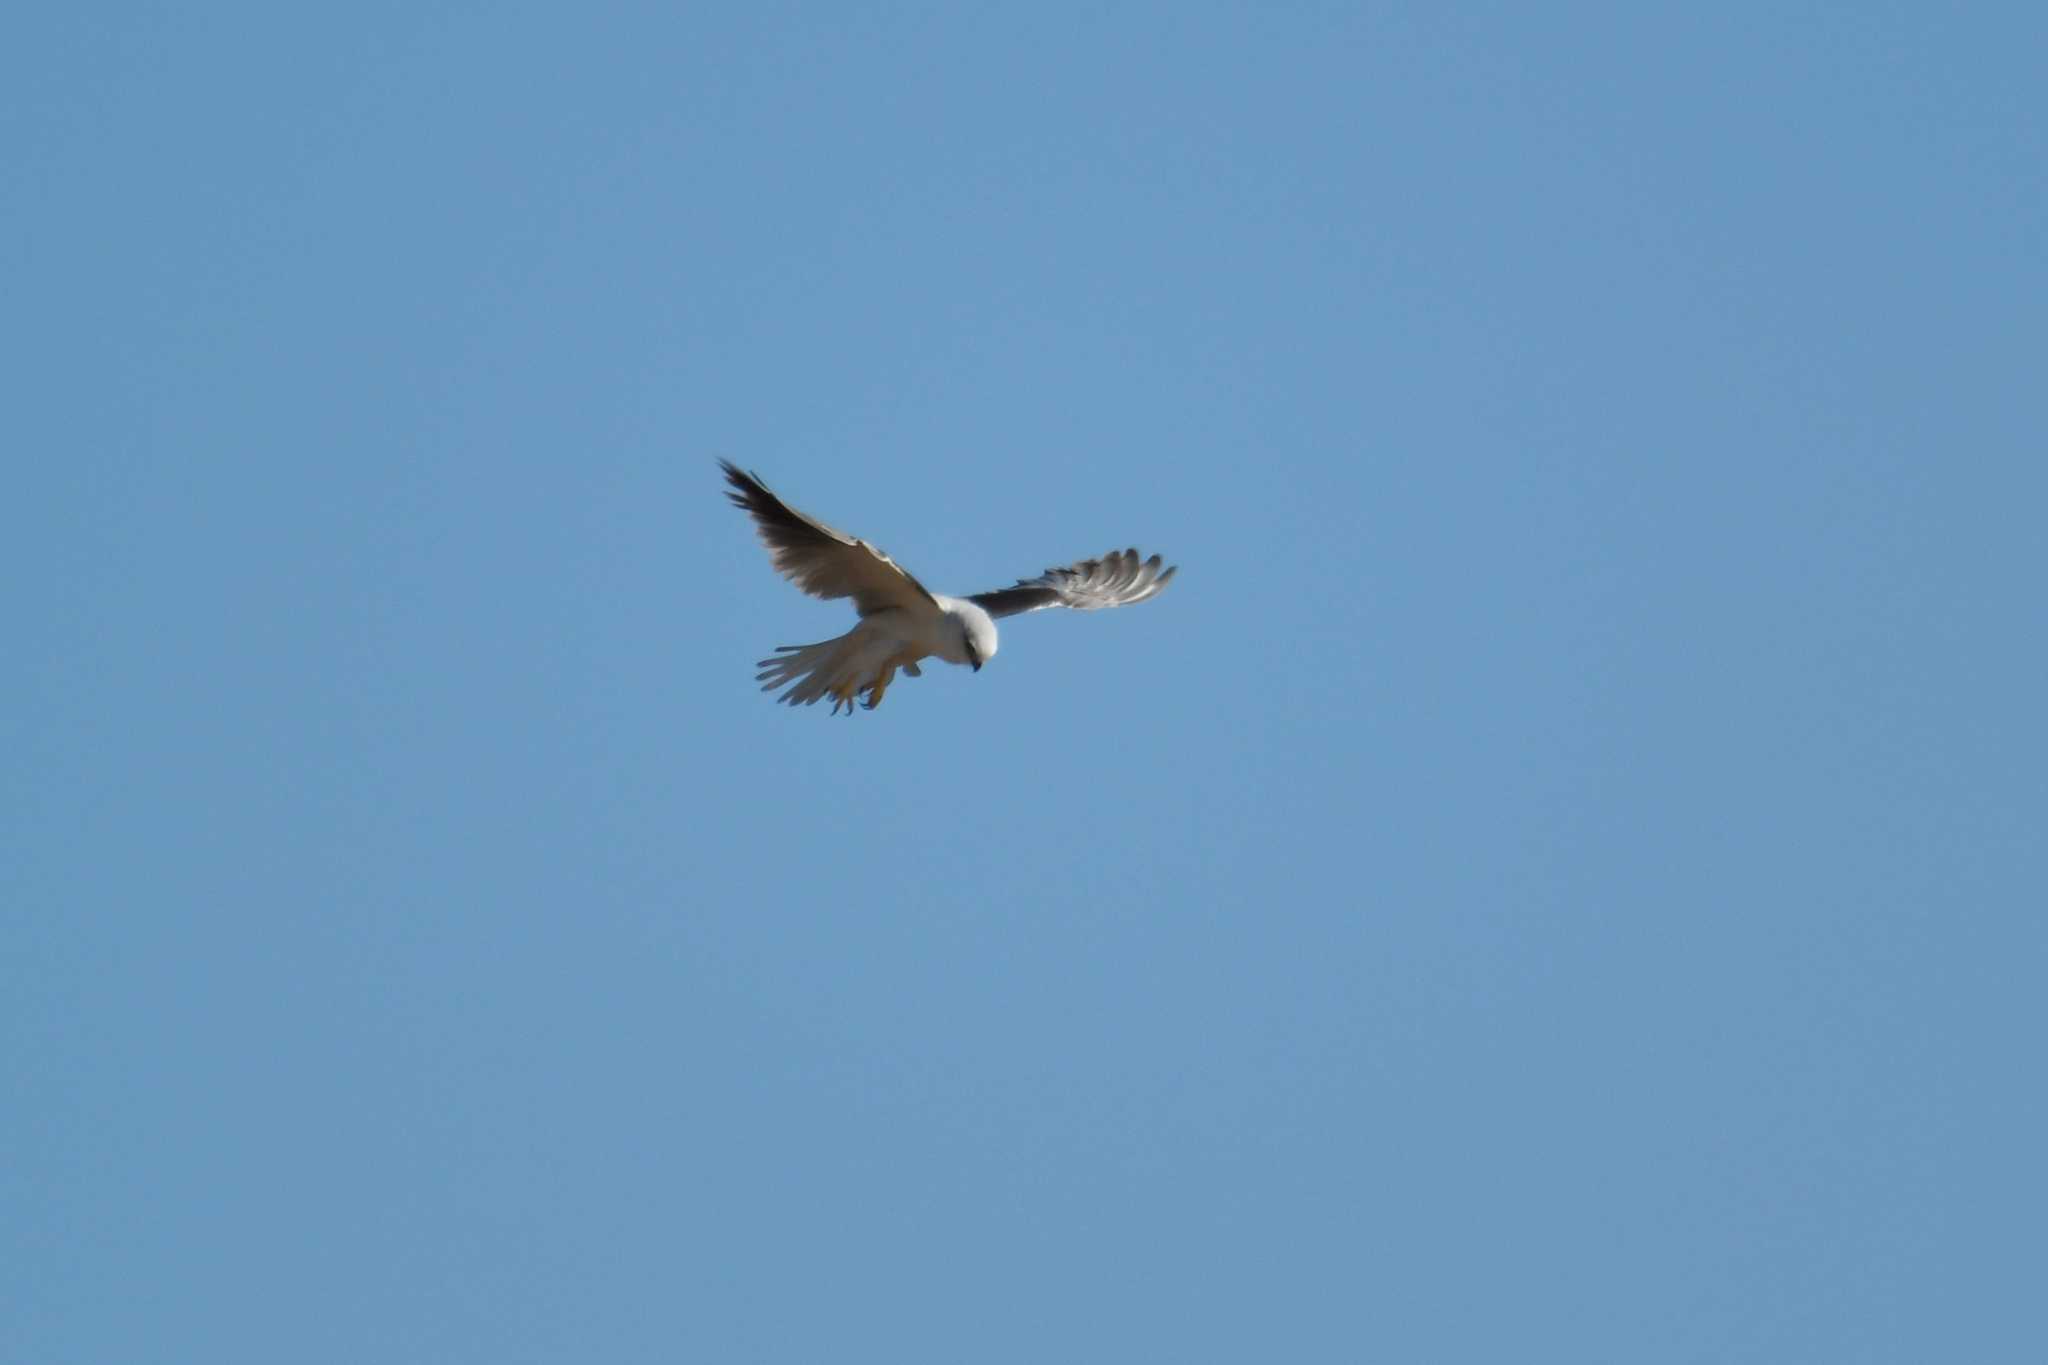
(821, 561)
(1118, 579)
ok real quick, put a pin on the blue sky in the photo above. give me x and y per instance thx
(1557, 878)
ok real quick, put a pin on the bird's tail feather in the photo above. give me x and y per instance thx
(809, 671)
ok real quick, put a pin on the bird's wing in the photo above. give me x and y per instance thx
(1118, 579)
(821, 561)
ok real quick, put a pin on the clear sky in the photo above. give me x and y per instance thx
(1559, 876)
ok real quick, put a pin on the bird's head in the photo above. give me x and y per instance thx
(977, 633)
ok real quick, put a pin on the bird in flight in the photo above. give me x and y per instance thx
(901, 621)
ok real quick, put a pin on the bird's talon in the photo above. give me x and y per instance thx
(842, 695)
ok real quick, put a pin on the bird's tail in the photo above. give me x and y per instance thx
(810, 671)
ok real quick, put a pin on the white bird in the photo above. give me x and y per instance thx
(901, 621)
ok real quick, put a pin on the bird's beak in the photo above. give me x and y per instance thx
(977, 665)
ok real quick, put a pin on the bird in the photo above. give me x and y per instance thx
(902, 621)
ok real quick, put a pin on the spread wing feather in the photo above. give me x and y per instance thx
(821, 561)
(1118, 579)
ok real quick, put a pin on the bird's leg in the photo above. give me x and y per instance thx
(907, 661)
(880, 685)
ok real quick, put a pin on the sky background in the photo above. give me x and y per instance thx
(1559, 877)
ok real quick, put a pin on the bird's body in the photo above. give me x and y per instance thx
(866, 658)
(901, 622)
